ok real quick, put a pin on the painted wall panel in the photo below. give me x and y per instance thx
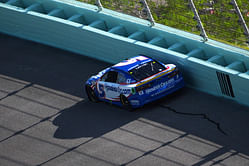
(211, 67)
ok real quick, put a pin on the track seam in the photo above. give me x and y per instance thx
(16, 91)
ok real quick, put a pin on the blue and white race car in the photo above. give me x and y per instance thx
(134, 82)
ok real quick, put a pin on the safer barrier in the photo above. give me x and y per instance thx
(110, 36)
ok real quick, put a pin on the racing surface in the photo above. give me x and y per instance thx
(46, 119)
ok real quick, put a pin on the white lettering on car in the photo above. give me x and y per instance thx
(168, 83)
(118, 89)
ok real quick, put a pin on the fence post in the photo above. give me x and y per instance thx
(198, 19)
(241, 19)
(98, 3)
(146, 9)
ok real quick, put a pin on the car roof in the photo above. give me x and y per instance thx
(127, 65)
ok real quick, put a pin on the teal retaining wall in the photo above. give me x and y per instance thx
(212, 67)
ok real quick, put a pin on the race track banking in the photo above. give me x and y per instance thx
(45, 118)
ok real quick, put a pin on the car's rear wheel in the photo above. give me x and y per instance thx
(125, 102)
(91, 94)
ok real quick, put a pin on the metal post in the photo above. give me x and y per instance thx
(198, 19)
(146, 9)
(98, 3)
(241, 19)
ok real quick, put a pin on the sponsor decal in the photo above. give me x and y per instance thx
(168, 83)
(157, 93)
(133, 91)
(118, 89)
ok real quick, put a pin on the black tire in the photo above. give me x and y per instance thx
(125, 102)
(91, 95)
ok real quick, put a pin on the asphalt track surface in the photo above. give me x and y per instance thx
(46, 119)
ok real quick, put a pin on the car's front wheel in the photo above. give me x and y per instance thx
(91, 94)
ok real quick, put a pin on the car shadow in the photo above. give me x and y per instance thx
(86, 119)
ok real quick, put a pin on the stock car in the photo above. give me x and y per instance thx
(134, 82)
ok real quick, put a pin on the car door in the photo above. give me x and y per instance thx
(124, 84)
(108, 87)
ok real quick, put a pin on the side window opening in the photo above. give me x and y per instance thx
(111, 76)
(121, 78)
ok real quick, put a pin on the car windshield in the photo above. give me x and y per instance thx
(146, 70)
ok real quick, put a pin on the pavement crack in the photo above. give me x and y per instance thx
(204, 116)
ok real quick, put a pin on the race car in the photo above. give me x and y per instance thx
(134, 82)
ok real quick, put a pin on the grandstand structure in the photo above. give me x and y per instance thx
(226, 21)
